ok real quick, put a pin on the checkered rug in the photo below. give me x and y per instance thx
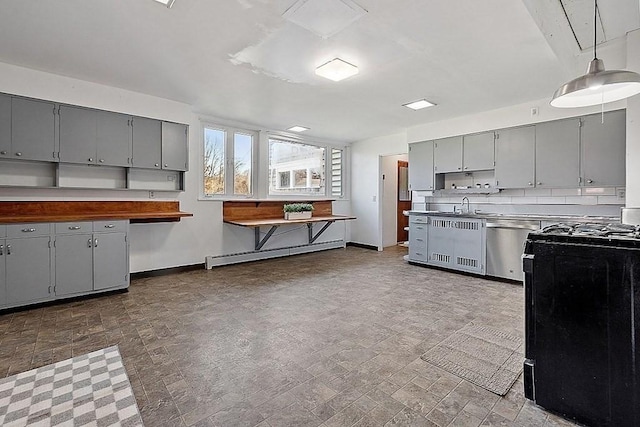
(88, 390)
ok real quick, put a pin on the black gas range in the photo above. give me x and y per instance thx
(582, 322)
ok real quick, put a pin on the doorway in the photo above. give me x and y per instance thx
(392, 175)
(403, 201)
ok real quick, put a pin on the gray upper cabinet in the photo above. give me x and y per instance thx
(447, 155)
(32, 129)
(77, 135)
(515, 157)
(5, 126)
(113, 138)
(28, 272)
(558, 153)
(94, 137)
(147, 149)
(174, 146)
(421, 166)
(603, 149)
(478, 151)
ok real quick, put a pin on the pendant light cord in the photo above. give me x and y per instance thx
(595, 29)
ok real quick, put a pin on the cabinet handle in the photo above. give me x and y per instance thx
(418, 253)
(110, 226)
(538, 183)
(18, 154)
(101, 160)
(90, 159)
(458, 168)
(74, 227)
(3, 152)
(1, 250)
(530, 183)
(157, 165)
(166, 165)
(28, 230)
(420, 240)
(8, 249)
(589, 181)
(95, 243)
(465, 168)
(89, 243)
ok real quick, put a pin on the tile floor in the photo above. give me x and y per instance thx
(326, 339)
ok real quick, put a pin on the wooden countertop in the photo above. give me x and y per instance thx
(49, 211)
(282, 221)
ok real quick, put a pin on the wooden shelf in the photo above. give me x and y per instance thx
(134, 211)
(281, 221)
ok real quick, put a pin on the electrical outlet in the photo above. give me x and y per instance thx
(373, 198)
(534, 111)
(620, 192)
(152, 194)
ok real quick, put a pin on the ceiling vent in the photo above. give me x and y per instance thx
(324, 18)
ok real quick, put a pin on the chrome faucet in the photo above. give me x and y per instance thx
(468, 206)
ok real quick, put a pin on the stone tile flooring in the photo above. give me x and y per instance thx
(326, 339)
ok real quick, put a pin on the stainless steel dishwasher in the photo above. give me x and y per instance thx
(505, 245)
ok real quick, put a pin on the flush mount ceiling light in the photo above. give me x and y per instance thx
(167, 3)
(419, 105)
(597, 86)
(298, 128)
(336, 70)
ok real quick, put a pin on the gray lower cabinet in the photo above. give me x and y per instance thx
(418, 238)
(515, 157)
(28, 269)
(90, 256)
(32, 129)
(421, 166)
(174, 146)
(603, 149)
(457, 243)
(147, 151)
(42, 261)
(5, 126)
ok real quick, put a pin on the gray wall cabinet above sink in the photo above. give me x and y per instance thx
(478, 151)
(421, 166)
(558, 153)
(447, 155)
(515, 157)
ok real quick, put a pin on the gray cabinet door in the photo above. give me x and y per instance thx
(32, 129)
(440, 242)
(28, 270)
(147, 143)
(3, 290)
(469, 252)
(558, 153)
(421, 166)
(5, 126)
(447, 155)
(77, 135)
(174, 146)
(515, 157)
(110, 260)
(603, 149)
(113, 139)
(74, 264)
(478, 151)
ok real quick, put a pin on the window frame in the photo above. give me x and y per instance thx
(229, 158)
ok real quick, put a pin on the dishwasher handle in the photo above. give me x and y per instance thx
(513, 226)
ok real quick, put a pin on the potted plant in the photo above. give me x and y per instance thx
(298, 210)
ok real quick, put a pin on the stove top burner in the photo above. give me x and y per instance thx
(594, 229)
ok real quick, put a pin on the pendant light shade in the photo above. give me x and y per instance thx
(597, 86)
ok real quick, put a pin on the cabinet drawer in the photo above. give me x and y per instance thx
(418, 228)
(110, 226)
(418, 241)
(3, 230)
(74, 227)
(28, 230)
(418, 254)
(422, 219)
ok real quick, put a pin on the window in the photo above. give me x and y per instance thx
(296, 168)
(337, 189)
(228, 161)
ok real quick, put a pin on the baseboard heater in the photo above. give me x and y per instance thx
(220, 260)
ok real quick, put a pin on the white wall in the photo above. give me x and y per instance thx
(389, 199)
(367, 187)
(158, 245)
(633, 126)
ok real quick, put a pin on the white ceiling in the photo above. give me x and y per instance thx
(242, 60)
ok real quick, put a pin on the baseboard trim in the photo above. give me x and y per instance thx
(166, 271)
(221, 260)
(362, 245)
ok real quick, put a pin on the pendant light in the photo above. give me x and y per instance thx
(597, 86)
